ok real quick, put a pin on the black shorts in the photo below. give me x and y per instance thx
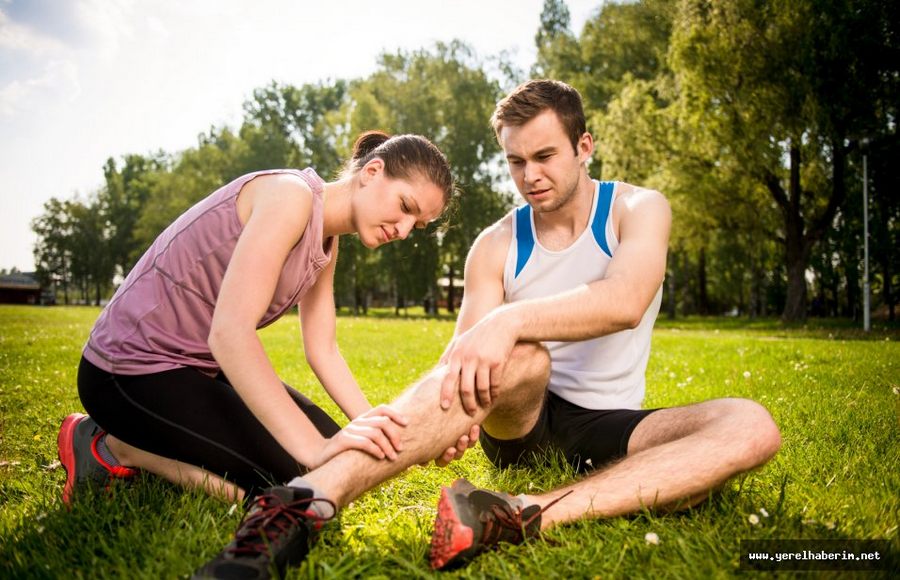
(189, 416)
(587, 438)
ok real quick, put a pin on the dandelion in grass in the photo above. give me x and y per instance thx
(896, 390)
(746, 374)
(764, 513)
(753, 519)
(651, 539)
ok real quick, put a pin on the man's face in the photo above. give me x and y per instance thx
(542, 162)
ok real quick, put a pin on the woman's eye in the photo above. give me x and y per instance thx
(404, 207)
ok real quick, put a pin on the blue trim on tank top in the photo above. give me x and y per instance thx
(524, 237)
(598, 225)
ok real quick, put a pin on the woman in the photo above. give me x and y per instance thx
(174, 376)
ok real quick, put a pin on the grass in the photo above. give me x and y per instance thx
(832, 390)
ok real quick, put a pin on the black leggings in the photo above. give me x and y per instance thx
(186, 415)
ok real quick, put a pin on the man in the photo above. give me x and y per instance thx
(579, 268)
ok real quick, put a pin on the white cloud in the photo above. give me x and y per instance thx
(17, 37)
(106, 23)
(59, 77)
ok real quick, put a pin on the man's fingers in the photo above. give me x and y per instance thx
(483, 379)
(450, 385)
(474, 432)
(467, 390)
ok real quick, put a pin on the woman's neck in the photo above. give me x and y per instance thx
(338, 217)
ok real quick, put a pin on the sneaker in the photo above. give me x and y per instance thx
(77, 450)
(471, 520)
(277, 531)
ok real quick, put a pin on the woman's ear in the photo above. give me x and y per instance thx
(370, 170)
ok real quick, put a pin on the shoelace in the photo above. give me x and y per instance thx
(507, 518)
(259, 529)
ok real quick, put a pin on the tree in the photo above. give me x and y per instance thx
(558, 51)
(783, 85)
(445, 95)
(123, 200)
(53, 252)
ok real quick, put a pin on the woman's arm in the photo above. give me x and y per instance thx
(279, 211)
(317, 321)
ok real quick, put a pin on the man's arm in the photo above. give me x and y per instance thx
(483, 294)
(617, 302)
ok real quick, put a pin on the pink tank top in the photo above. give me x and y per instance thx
(159, 319)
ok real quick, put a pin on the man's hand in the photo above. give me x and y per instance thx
(476, 360)
(462, 444)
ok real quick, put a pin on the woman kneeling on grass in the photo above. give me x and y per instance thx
(174, 376)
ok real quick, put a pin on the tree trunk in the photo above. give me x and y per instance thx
(670, 292)
(451, 292)
(795, 302)
(887, 294)
(702, 295)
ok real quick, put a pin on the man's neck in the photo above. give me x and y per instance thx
(557, 230)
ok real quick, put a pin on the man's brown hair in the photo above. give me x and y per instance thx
(532, 98)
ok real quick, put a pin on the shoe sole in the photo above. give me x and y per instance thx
(450, 535)
(66, 452)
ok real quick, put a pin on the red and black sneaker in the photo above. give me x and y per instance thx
(277, 531)
(471, 520)
(77, 450)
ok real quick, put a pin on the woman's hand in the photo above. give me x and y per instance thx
(377, 432)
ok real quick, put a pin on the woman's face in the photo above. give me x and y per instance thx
(387, 209)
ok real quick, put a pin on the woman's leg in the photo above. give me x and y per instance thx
(191, 429)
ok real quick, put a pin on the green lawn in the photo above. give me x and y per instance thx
(833, 392)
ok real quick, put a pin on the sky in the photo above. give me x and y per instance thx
(85, 80)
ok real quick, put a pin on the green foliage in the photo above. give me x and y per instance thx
(781, 84)
(749, 115)
(832, 391)
(445, 95)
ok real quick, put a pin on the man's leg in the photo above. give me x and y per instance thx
(675, 458)
(431, 430)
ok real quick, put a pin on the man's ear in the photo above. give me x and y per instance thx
(585, 147)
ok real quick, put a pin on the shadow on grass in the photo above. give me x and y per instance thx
(149, 529)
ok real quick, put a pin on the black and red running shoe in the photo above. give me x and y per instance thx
(471, 520)
(77, 450)
(277, 531)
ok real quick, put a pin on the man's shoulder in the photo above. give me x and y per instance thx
(497, 234)
(640, 211)
(637, 194)
(490, 247)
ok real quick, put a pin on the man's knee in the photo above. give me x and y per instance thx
(759, 434)
(528, 366)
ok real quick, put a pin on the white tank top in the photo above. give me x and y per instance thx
(600, 373)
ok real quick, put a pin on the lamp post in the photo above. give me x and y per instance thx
(866, 321)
